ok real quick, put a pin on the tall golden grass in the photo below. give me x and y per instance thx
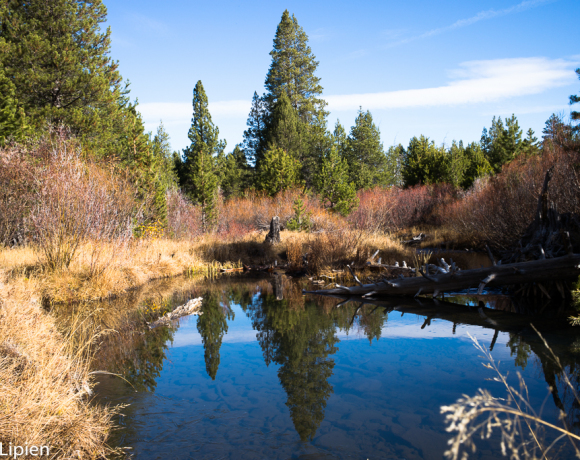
(45, 387)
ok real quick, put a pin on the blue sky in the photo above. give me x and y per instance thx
(442, 69)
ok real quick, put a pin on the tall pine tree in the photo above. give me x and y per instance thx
(12, 119)
(291, 75)
(198, 172)
(364, 153)
(292, 71)
(57, 57)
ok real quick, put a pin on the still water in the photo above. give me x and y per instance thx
(266, 373)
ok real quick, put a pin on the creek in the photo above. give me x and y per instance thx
(267, 373)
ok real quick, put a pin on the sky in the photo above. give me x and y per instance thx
(440, 69)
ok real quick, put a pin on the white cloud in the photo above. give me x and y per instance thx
(181, 112)
(482, 15)
(475, 82)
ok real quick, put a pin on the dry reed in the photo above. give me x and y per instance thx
(522, 429)
(44, 387)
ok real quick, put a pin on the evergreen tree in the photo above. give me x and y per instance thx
(457, 164)
(502, 144)
(236, 176)
(332, 183)
(574, 99)
(254, 136)
(395, 157)
(12, 118)
(530, 144)
(477, 165)
(424, 163)
(278, 171)
(198, 172)
(284, 130)
(364, 153)
(292, 71)
(57, 57)
(300, 126)
(161, 148)
(340, 139)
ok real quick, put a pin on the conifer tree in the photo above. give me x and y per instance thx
(254, 136)
(457, 164)
(332, 183)
(291, 74)
(12, 118)
(284, 129)
(503, 143)
(477, 165)
(57, 57)
(163, 155)
(292, 71)
(424, 163)
(198, 172)
(278, 171)
(574, 99)
(236, 175)
(530, 144)
(395, 157)
(364, 153)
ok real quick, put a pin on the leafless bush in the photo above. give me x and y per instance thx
(76, 201)
(499, 209)
(16, 192)
(183, 218)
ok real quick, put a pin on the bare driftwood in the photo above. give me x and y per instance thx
(536, 271)
(273, 235)
(190, 308)
(416, 239)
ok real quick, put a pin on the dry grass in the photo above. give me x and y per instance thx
(523, 430)
(43, 387)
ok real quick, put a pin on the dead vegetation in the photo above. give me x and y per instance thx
(45, 386)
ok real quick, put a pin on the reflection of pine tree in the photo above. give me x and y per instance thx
(145, 364)
(212, 326)
(372, 321)
(300, 341)
(303, 353)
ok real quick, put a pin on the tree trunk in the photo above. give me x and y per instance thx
(273, 235)
(538, 271)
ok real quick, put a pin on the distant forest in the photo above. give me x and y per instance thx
(56, 71)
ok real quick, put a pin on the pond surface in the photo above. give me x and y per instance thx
(266, 373)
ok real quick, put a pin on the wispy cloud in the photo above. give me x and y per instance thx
(146, 23)
(181, 112)
(473, 82)
(481, 16)
(476, 82)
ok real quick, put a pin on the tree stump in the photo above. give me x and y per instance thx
(273, 235)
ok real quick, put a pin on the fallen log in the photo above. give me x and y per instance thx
(536, 271)
(192, 307)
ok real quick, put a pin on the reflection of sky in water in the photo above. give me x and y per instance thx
(241, 330)
(385, 400)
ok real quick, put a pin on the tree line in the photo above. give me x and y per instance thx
(56, 69)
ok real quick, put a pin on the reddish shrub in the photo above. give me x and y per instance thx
(391, 209)
(498, 210)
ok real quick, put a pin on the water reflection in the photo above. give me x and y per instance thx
(212, 326)
(301, 340)
(299, 336)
